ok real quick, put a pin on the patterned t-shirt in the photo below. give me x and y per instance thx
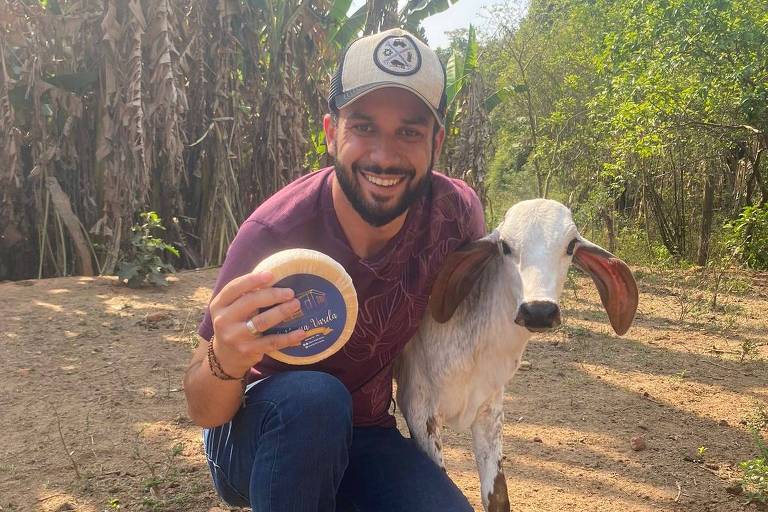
(392, 287)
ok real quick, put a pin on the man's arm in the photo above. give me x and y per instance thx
(211, 400)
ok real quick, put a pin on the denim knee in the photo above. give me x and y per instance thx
(316, 399)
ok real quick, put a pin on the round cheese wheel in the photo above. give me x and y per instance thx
(328, 303)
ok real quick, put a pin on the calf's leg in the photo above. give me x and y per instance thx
(425, 428)
(487, 442)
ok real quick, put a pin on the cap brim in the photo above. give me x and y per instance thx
(344, 99)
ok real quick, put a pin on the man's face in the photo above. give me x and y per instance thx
(384, 145)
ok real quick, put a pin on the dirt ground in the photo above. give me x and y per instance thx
(93, 417)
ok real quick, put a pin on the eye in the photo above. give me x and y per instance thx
(506, 248)
(363, 128)
(571, 247)
(410, 133)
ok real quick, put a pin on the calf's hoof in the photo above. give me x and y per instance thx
(498, 499)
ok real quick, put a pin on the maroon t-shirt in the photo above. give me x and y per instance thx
(392, 287)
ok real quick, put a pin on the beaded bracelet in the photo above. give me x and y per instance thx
(217, 370)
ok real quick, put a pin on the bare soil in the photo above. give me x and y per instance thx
(93, 417)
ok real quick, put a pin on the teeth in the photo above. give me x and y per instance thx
(382, 182)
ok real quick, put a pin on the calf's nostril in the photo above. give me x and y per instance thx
(538, 315)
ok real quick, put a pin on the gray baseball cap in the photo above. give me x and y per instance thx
(393, 58)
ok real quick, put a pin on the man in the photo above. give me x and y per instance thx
(321, 437)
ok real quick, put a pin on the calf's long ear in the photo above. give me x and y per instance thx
(614, 282)
(459, 274)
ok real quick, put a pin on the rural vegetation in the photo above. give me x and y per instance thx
(647, 117)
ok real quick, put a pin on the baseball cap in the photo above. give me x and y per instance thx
(393, 58)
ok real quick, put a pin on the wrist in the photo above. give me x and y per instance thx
(220, 371)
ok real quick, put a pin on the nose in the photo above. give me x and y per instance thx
(384, 152)
(538, 315)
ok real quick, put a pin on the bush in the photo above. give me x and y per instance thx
(755, 480)
(633, 246)
(144, 260)
(747, 237)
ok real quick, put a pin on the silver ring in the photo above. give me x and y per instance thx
(252, 328)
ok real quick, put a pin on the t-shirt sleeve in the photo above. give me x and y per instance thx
(476, 215)
(254, 242)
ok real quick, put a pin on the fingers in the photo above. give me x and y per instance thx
(271, 317)
(274, 342)
(240, 300)
(248, 305)
(239, 286)
(239, 350)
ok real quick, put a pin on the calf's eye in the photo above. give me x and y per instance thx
(506, 248)
(571, 246)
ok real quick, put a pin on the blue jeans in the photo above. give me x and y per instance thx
(292, 448)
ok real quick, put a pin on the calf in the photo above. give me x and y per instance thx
(487, 300)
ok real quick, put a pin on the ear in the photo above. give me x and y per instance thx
(438, 147)
(614, 281)
(329, 127)
(459, 274)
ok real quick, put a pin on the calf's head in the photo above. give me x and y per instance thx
(540, 239)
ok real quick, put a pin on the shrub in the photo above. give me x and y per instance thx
(754, 482)
(747, 236)
(144, 259)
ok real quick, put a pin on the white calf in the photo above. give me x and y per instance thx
(487, 299)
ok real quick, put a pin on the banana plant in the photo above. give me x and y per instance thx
(459, 73)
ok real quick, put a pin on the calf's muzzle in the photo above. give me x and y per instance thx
(538, 315)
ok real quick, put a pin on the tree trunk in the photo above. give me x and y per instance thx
(657, 208)
(381, 15)
(72, 223)
(609, 226)
(707, 210)
(759, 177)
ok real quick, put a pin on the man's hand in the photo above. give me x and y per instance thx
(210, 400)
(240, 300)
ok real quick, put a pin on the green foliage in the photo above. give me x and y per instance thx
(459, 71)
(635, 247)
(318, 149)
(623, 108)
(754, 481)
(415, 12)
(143, 262)
(747, 236)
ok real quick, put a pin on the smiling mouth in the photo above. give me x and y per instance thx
(383, 182)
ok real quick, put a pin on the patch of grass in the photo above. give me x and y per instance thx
(165, 484)
(750, 350)
(573, 331)
(738, 285)
(758, 418)
(152, 503)
(152, 482)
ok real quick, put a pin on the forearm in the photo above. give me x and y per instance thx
(242, 313)
(211, 401)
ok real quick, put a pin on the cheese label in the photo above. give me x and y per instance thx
(323, 314)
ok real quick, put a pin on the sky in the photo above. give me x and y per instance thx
(458, 15)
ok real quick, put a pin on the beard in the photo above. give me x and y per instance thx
(375, 212)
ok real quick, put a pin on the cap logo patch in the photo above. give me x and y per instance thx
(397, 55)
